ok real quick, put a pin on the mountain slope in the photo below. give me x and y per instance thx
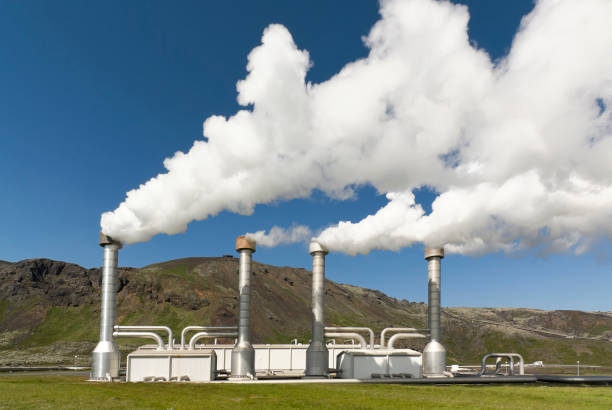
(49, 312)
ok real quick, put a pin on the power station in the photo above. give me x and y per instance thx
(356, 358)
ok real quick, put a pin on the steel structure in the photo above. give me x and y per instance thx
(243, 355)
(434, 354)
(317, 353)
(106, 356)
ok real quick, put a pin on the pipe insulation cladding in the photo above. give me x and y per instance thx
(317, 356)
(106, 357)
(243, 354)
(434, 354)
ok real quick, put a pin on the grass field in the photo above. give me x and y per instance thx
(50, 392)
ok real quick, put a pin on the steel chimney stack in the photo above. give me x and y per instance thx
(434, 354)
(317, 355)
(106, 357)
(243, 354)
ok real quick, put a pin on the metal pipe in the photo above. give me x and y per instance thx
(243, 354)
(509, 356)
(121, 328)
(433, 306)
(434, 354)
(399, 336)
(202, 335)
(394, 329)
(353, 329)
(203, 328)
(521, 364)
(106, 356)
(317, 355)
(147, 335)
(355, 336)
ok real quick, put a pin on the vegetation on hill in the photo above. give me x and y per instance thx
(49, 312)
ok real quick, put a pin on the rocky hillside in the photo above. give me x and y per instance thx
(49, 312)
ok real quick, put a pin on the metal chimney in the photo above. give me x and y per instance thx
(317, 356)
(243, 354)
(434, 354)
(106, 357)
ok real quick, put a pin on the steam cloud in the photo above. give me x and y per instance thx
(280, 236)
(520, 151)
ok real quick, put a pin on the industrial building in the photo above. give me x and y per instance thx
(199, 357)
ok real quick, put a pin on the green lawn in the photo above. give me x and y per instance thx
(49, 392)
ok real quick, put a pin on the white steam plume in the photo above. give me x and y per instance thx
(281, 236)
(520, 151)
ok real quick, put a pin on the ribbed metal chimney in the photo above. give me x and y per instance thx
(106, 357)
(317, 355)
(243, 354)
(434, 354)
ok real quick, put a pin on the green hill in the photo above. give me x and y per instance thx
(49, 312)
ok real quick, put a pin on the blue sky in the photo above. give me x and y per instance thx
(96, 95)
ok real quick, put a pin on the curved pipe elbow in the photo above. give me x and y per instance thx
(202, 335)
(355, 336)
(403, 336)
(203, 328)
(145, 335)
(394, 329)
(509, 356)
(121, 328)
(353, 329)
